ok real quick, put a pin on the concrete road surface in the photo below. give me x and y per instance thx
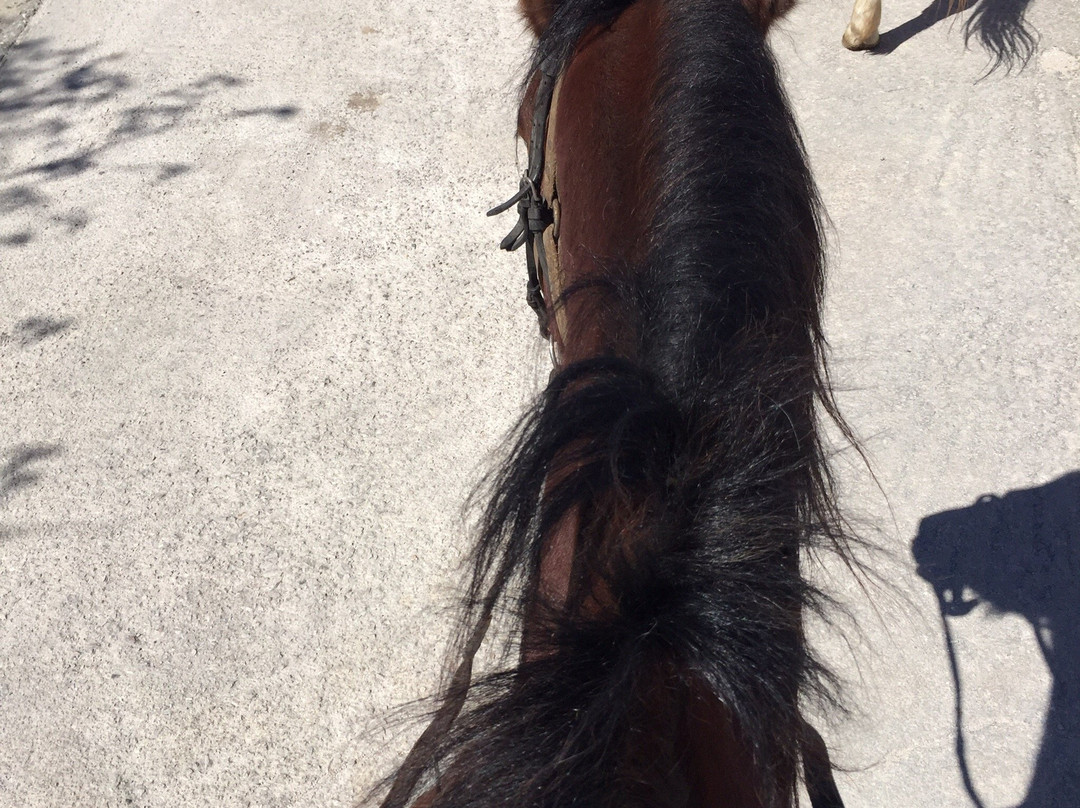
(257, 345)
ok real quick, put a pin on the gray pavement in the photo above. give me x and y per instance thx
(257, 344)
(14, 17)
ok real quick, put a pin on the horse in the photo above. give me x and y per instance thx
(644, 536)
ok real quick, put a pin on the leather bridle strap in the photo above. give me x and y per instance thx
(408, 776)
(548, 253)
(535, 214)
(817, 771)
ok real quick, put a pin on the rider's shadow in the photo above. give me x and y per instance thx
(1020, 554)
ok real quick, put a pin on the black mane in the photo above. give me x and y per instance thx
(708, 432)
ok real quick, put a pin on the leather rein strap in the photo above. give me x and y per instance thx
(537, 225)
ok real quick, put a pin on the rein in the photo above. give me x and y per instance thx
(408, 777)
(537, 225)
(945, 608)
(537, 216)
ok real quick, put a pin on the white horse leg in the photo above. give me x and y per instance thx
(862, 31)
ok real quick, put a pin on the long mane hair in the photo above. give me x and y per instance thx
(694, 461)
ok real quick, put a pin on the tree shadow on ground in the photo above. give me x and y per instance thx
(48, 94)
(17, 470)
(998, 26)
(1019, 554)
(31, 330)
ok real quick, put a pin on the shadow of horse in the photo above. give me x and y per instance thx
(1020, 554)
(998, 26)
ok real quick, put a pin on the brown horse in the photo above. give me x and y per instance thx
(647, 528)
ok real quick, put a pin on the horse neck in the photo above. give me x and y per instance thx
(610, 172)
(684, 747)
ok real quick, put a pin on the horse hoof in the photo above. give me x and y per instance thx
(859, 41)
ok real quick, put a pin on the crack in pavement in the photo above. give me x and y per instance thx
(14, 17)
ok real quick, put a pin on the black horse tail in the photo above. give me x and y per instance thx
(1000, 26)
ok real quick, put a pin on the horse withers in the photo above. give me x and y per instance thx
(646, 531)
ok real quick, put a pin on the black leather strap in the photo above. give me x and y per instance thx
(820, 785)
(534, 212)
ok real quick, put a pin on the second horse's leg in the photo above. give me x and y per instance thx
(862, 31)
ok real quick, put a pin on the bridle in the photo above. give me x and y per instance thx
(538, 217)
